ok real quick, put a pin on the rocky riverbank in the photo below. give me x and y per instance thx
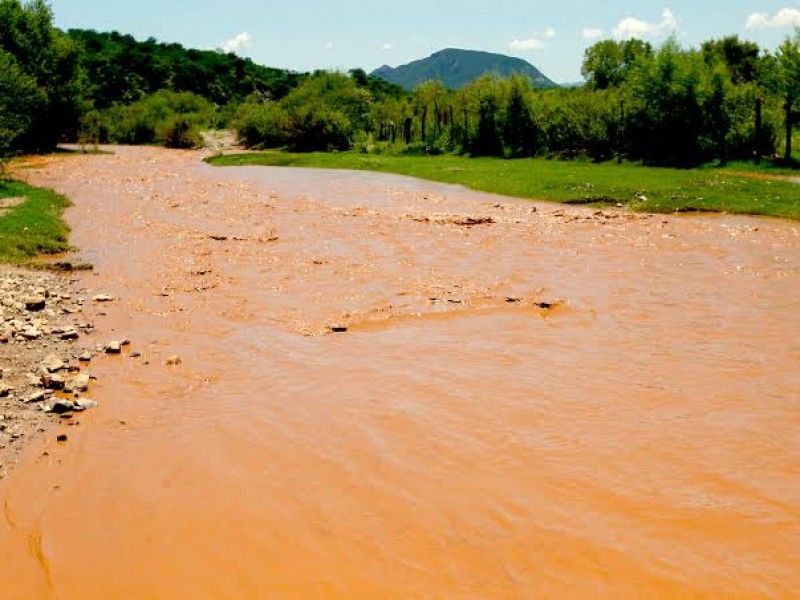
(45, 355)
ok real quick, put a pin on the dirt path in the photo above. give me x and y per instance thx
(529, 401)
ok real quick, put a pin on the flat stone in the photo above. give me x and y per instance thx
(69, 334)
(85, 356)
(113, 348)
(174, 361)
(35, 397)
(84, 404)
(103, 298)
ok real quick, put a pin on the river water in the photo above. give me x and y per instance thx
(554, 404)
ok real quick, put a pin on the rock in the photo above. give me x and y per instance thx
(62, 437)
(53, 363)
(69, 334)
(3, 338)
(79, 383)
(545, 305)
(30, 333)
(84, 404)
(173, 361)
(338, 328)
(136, 354)
(103, 298)
(35, 303)
(5, 390)
(85, 356)
(62, 406)
(35, 397)
(53, 381)
(113, 348)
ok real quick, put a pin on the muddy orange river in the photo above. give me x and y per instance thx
(530, 401)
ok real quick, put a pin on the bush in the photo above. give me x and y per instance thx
(181, 133)
(170, 118)
(262, 124)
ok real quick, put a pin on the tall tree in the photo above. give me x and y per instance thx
(782, 75)
(518, 128)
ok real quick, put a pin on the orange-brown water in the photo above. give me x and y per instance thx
(638, 440)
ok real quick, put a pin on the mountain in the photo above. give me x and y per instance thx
(456, 68)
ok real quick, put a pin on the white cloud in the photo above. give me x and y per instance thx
(329, 46)
(635, 28)
(592, 33)
(240, 42)
(388, 46)
(786, 17)
(533, 43)
(529, 44)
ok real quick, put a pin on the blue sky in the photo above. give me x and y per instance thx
(341, 34)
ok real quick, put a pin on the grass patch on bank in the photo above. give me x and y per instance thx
(31, 224)
(646, 189)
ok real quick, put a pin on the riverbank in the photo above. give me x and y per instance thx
(46, 322)
(45, 354)
(634, 187)
(31, 222)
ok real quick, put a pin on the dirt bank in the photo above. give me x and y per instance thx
(520, 400)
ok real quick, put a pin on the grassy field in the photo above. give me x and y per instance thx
(32, 224)
(732, 189)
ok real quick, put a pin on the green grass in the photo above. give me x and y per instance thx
(35, 226)
(647, 189)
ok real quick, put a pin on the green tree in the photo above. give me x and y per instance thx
(608, 63)
(741, 58)
(519, 131)
(665, 122)
(781, 75)
(39, 53)
(20, 100)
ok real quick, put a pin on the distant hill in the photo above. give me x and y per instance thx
(456, 68)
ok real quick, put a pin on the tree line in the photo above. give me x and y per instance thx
(728, 99)
(666, 105)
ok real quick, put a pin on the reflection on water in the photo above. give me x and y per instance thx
(636, 440)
